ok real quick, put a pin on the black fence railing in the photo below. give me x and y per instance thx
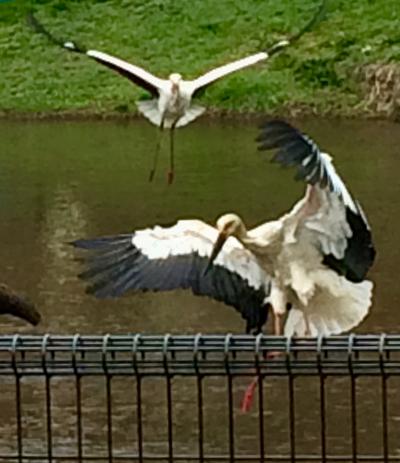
(177, 398)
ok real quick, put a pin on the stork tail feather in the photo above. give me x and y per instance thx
(149, 109)
(333, 311)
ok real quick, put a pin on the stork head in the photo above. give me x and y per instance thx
(175, 79)
(227, 225)
(231, 225)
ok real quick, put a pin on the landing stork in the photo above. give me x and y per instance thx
(171, 106)
(318, 254)
(313, 260)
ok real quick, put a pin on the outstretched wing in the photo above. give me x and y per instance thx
(163, 259)
(210, 77)
(135, 74)
(339, 227)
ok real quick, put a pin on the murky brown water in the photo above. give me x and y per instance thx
(62, 181)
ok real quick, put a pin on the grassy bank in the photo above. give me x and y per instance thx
(324, 72)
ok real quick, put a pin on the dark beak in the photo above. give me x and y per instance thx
(222, 237)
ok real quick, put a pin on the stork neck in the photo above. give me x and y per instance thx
(175, 88)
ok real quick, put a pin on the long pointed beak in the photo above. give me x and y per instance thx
(222, 237)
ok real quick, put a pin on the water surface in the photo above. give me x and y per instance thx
(63, 181)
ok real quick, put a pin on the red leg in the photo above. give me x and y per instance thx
(247, 400)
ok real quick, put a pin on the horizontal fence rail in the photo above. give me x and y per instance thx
(177, 398)
(199, 355)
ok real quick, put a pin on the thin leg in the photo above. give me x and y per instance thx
(308, 329)
(247, 400)
(278, 331)
(157, 152)
(278, 324)
(171, 173)
(248, 396)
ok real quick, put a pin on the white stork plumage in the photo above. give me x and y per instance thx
(164, 259)
(313, 259)
(171, 106)
(318, 254)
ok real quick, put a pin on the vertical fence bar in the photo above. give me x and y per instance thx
(260, 398)
(292, 430)
(18, 416)
(18, 410)
(321, 399)
(353, 399)
(231, 429)
(75, 342)
(200, 403)
(49, 434)
(135, 345)
(169, 400)
(385, 431)
(108, 376)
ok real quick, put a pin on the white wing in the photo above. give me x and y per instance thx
(134, 73)
(227, 69)
(163, 259)
(218, 73)
(327, 217)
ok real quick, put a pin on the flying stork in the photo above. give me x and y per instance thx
(171, 106)
(313, 259)
(12, 304)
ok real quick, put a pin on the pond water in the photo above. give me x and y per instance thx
(69, 180)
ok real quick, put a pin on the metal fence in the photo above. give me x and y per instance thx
(176, 398)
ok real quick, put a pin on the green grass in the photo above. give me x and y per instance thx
(190, 37)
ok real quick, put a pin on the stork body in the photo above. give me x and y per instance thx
(322, 301)
(171, 104)
(318, 254)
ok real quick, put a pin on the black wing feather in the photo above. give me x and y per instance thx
(294, 149)
(79, 48)
(297, 149)
(360, 252)
(115, 266)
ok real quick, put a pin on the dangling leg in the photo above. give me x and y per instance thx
(171, 172)
(278, 324)
(157, 152)
(308, 328)
(247, 400)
